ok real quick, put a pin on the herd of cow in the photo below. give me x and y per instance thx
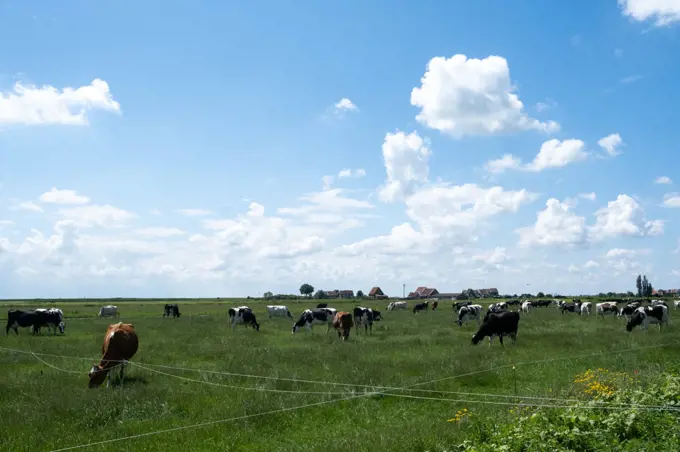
(121, 341)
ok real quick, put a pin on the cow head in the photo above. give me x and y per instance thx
(476, 338)
(61, 327)
(97, 376)
(634, 321)
(377, 315)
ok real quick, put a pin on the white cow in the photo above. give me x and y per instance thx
(278, 311)
(109, 311)
(526, 307)
(585, 308)
(676, 303)
(397, 305)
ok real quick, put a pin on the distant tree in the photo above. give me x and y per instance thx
(514, 295)
(548, 295)
(630, 294)
(638, 284)
(470, 293)
(645, 284)
(307, 289)
(462, 296)
(540, 295)
(320, 295)
(360, 294)
(268, 295)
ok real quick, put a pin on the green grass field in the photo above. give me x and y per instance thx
(43, 408)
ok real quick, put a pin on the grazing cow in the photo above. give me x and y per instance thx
(397, 305)
(459, 304)
(676, 304)
(171, 310)
(585, 308)
(233, 312)
(310, 317)
(513, 302)
(606, 308)
(659, 303)
(648, 314)
(51, 318)
(628, 310)
(501, 324)
(434, 305)
(278, 311)
(109, 311)
(243, 315)
(366, 317)
(421, 307)
(342, 324)
(321, 305)
(526, 307)
(17, 318)
(574, 306)
(495, 308)
(541, 303)
(470, 312)
(120, 345)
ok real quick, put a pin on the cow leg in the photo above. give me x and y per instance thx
(513, 336)
(328, 328)
(500, 339)
(122, 373)
(370, 328)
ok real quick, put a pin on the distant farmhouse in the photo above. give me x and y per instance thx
(662, 292)
(339, 293)
(377, 293)
(430, 292)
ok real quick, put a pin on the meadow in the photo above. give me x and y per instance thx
(45, 403)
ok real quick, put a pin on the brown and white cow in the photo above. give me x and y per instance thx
(120, 345)
(342, 324)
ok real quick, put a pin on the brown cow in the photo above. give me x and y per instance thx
(343, 323)
(120, 344)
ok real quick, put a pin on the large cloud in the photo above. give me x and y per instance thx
(461, 96)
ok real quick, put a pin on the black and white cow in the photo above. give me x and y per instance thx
(470, 312)
(243, 317)
(311, 317)
(171, 310)
(513, 302)
(366, 317)
(606, 308)
(628, 310)
(52, 318)
(421, 307)
(459, 304)
(574, 306)
(496, 308)
(501, 324)
(648, 314)
(396, 305)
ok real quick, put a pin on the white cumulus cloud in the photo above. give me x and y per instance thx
(624, 217)
(406, 163)
(611, 144)
(555, 225)
(663, 180)
(662, 12)
(671, 200)
(55, 196)
(344, 105)
(553, 154)
(468, 96)
(347, 172)
(33, 105)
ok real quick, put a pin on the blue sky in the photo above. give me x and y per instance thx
(196, 148)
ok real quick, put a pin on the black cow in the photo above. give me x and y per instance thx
(571, 307)
(171, 310)
(513, 302)
(51, 318)
(629, 309)
(421, 307)
(459, 304)
(321, 305)
(501, 324)
(35, 319)
(366, 317)
(540, 303)
(311, 317)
